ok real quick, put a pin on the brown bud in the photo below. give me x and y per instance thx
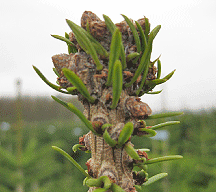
(127, 74)
(137, 108)
(142, 23)
(90, 171)
(97, 121)
(122, 26)
(132, 189)
(103, 75)
(61, 61)
(139, 180)
(97, 125)
(88, 16)
(143, 154)
(81, 140)
(97, 27)
(151, 73)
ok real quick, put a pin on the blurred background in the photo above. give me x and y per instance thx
(31, 122)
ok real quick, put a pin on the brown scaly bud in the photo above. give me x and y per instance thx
(108, 98)
(132, 189)
(88, 16)
(151, 73)
(137, 108)
(127, 75)
(63, 82)
(61, 61)
(137, 126)
(97, 121)
(88, 140)
(76, 62)
(139, 178)
(73, 40)
(81, 142)
(88, 164)
(97, 27)
(139, 79)
(132, 49)
(143, 154)
(122, 26)
(142, 23)
(102, 75)
(142, 124)
(138, 131)
(97, 126)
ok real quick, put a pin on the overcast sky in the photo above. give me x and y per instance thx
(186, 42)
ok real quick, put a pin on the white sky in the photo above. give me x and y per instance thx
(186, 43)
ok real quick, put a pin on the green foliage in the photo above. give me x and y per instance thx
(76, 111)
(164, 124)
(76, 147)
(77, 82)
(116, 188)
(155, 178)
(117, 79)
(41, 166)
(132, 56)
(111, 26)
(91, 46)
(85, 42)
(158, 69)
(55, 87)
(125, 134)
(144, 63)
(135, 33)
(108, 139)
(131, 152)
(142, 36)
(68, 42)
(62, 152)
(143, 41)
(114, 53)
(149, 132)
(164, 115)
(101, 181)
(165, 158)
